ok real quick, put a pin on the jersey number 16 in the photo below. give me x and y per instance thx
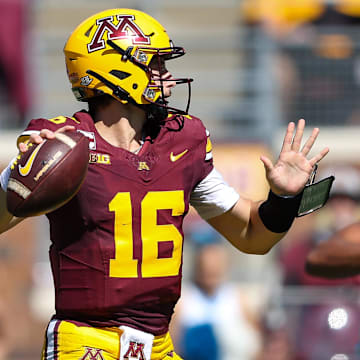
(124, 265)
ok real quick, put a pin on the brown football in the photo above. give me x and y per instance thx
(48, 175)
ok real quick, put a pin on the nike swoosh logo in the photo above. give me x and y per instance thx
(174, 158)
(25, 170)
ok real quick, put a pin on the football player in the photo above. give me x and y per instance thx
(116, 247)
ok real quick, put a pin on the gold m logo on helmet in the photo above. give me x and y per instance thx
(92, 354)
(135, 350)
(125, 29)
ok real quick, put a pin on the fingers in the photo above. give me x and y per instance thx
(38, 138)
(48, 134)
(35, 139)
(267, 163)
(288, 137)
(23, 147)
(66, 128)
(310, 142)
(292, 142)
(319, 156)
(308, 146)
(298, 135)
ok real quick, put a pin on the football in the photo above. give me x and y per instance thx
(48, 175)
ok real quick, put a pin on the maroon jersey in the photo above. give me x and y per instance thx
(116, 251)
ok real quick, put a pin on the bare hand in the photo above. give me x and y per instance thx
(44, 134)
(292, 170)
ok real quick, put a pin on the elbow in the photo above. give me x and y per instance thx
(257, 250)
(258, 245)
(8, 222)
(262, 251)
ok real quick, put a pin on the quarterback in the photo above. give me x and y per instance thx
(116, 247)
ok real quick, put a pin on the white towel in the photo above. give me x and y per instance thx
(135, 344)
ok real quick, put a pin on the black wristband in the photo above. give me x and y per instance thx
(278, 212)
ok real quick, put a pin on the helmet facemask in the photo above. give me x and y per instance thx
(154, 91)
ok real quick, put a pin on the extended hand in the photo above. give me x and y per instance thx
(292, 170)
(44, 134)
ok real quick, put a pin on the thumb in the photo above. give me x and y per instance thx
(267, 163)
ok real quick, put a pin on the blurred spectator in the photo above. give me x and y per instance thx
(277, 345)
(14, 68)
(315, 63)
(338, 256)
(280, 17)
(328, 329)
(317, 335)
(323, 52)
(214, 320)
(314, 46)
(342, 209)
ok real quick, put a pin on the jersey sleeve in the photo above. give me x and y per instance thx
(213, 196)
(36, 125)
(208, 160)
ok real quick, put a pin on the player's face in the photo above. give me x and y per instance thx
(160, 73)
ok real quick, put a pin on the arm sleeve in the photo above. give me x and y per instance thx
(213, 196)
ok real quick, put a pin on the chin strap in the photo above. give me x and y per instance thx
(155, 112)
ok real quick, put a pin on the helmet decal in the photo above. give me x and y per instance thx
(125, 29)
(86, 80)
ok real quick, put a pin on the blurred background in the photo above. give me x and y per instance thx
(257, 65)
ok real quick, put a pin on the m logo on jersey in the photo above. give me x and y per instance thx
(124, 29)
(92, 354)
(135, 350)
(143, 166)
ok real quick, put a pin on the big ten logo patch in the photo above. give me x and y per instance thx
(97, 158)
(135, 350)
(92, 354)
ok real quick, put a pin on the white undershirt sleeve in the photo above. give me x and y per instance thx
(213, 196)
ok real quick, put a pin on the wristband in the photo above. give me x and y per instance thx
(278, 212)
